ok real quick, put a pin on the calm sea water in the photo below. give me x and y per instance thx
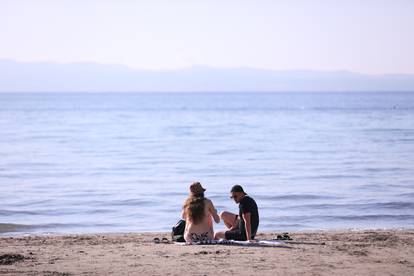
(117, 162)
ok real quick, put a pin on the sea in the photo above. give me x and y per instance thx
(73, 163)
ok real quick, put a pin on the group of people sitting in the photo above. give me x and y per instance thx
(199, 213)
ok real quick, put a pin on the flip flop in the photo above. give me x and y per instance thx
(156, 240)
(165, 240)
(284, 237)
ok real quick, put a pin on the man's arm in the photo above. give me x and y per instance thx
(247, 224)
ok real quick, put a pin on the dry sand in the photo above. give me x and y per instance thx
(386, 252)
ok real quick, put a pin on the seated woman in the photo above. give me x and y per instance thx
(199, 212)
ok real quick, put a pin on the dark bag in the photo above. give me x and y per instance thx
(178, 231)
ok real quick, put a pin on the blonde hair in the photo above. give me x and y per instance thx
(194, 208)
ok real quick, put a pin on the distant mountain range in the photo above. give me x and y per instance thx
(94, 77)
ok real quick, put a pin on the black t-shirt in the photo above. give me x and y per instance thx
(248, 205)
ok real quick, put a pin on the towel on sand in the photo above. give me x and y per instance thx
(258, 243)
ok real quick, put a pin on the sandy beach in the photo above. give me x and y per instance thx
(368, 252)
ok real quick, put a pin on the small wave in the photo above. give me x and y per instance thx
(100, 211)
(405, 140)
(395, 205)
(389, 130)
(334, 176)
(17, 212)
(372, 217)
(390, 169)
(132, 202)
(273, 226)
(325, 177)
(51, 212)
(172, 194)
(86, 194)
(409, 195)
(366, 206)
(32, 203)
(22, 228)
(296, 197)
(322, 218)
(27, 164)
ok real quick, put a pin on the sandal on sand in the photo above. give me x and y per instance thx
(284, 237)
(163, 240)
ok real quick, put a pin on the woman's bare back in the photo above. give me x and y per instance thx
(204, 229)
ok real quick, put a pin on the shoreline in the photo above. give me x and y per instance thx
(318, 252)
(265, 233)
(15, 230)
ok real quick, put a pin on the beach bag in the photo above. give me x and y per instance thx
(177, 232)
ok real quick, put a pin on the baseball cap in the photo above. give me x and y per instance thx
(237, 189)
(196, 188)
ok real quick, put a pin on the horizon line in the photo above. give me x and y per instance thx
(199, 66)
(208, 92)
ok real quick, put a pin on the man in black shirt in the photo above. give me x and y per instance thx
(243, 226)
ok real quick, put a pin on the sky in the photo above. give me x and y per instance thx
(365, 36)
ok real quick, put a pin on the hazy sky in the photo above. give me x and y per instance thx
(357, 35)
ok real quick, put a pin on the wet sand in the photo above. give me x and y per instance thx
(368, 252)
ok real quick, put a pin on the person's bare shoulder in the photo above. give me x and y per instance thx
(208, 201)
